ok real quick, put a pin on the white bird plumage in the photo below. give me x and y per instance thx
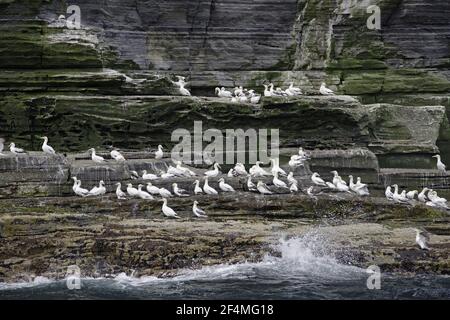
(168, 211)
(46, 148)
(116, 155)
(224, 186)
(197, 211)
(96, 158)
(208, 189)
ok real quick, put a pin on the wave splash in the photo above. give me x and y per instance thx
(308, 256)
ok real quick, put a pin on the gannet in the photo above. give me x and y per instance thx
(239, 169)
(2, 146)
(358, 187)
(237, 91)
(159, 153)
(250, 185)
(77, 188)
(143, 194)
(422, 196)
(152, 189)
(294, 90)
(181, 81)
(398, 198)
(208, 189)
(224, 186)
(315, 178)
(340, 186)
(330, 185)
(96, 158)
(440, 166)
(197, 211)
(234, 100)
(295, 162)
(15, 150)
(119, 193)
(276, 167)
(197, 189)
(46, 148)
(267, 92)
(436, 200)
(183, 90)
(337, 178)
(98, 191)
(148, 176)
(133, 192)
(291, 178)
(116, 155)
(175, 171)
(325, 91)
(293, 188)
(166, 175)
(411, 194)
(388, 193)
(277, 182)
(255, 98)
(221, 92)
(134, 175)
(213, 173)
(230, 173)
(262, 188)
(164, 193)
(422, 239)
(257, 171)
(178, 191)
(187, 172)
(302, 154)
(167, 211)
(279, 92)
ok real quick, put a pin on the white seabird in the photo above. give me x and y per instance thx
(388, 193)
(186, 172)
(153, 190)
(116, 155)
(296, 161)
(422, 196)
(291, 178)
(178, 191)
(267, 92)
(224, 186)
(46, 148)
(358, 187)
(325, 91)
(250, 185)
(96, 158)
(183, 91)
(337, 178)
(436, 200)
(134, 175)
(148, 176)
(77, 188)
(208, 189)
(342, 186)
(98, 191)
(164, 193)
(133, 192)
(143, 194)
(257, 171)
(239, 169)
(411, 194)
(330, 185)
(15, 150)
(166, 175)
(223, 93)
(277, 182)
(315, 178)
(159, 153)
(422, 239)
(294, 90)
(213, 173)
(293, 187)
(439, 165)
(276, 167)
(197, 189)
(398, 198)
(119, 193)
(197, 211)
(238, 90)
(230, 173)
(310, 193)
(167, 211)
(262, 188)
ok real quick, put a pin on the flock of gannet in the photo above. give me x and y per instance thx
(427, 196)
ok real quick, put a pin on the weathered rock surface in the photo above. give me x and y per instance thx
(104, 236)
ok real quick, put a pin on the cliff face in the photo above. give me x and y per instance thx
(226, 43)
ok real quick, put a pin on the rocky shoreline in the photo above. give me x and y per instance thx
(43, 236)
